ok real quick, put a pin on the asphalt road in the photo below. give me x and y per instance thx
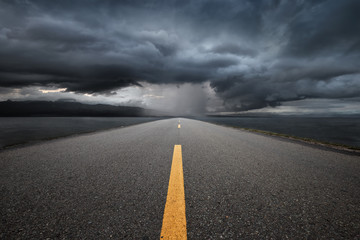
(238, 185)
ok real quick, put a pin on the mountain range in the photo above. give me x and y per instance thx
(66, 109)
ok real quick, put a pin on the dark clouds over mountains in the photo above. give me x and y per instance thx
(254, 53)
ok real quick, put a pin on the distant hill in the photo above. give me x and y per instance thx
(67, 109)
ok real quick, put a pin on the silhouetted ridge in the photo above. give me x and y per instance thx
(48, 108)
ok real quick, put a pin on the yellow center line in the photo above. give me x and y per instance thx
(174, 221)
(179, 126)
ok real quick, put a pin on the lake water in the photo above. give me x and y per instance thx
(31, 129)
(17, 130)
(341, 130)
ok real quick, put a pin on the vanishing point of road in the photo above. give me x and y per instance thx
(178, 178)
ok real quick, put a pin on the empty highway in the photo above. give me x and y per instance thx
(227, 184)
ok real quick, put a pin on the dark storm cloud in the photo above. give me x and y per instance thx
(328, 28)
(234, 49)
(254, 53)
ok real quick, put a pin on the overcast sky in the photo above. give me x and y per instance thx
(184, 56)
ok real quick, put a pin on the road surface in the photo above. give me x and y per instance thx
(237, 185)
